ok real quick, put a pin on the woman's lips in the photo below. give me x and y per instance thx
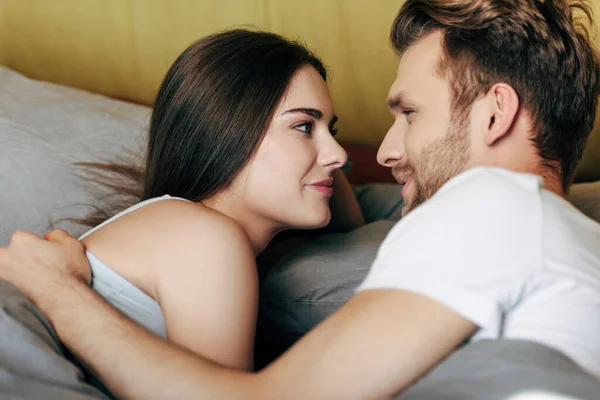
(323, 189)
(324, 186)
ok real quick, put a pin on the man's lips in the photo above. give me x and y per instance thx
(407, 185)
(403, 173)
(404, 177)
(324, 186)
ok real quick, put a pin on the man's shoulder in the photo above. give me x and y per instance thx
(483, 226)
(568, 232)
(487, 191)
(479, 204)
(492, 182)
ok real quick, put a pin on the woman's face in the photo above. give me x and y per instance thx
(289, 179)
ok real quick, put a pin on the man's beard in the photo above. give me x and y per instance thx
(438, 162)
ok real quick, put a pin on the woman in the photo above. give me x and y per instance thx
(240, 148)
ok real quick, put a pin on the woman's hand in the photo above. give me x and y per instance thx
(36, 266)
(346, 214)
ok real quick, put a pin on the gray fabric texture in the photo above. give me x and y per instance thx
(380, 201)
(311, 283)
(33, 364)
(505, 370)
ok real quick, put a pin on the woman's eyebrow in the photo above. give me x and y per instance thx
(313, 112)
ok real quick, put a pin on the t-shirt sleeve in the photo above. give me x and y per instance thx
(472, 247)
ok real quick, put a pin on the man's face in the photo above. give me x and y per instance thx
(426, 146)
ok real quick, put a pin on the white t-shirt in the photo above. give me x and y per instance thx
(517, 260)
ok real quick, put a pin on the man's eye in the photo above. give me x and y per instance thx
(409, 115)
(304, 127)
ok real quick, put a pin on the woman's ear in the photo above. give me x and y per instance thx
(503, 105)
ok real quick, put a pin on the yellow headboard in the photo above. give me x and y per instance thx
(122, 48)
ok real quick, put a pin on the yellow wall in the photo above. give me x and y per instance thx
(123, 48)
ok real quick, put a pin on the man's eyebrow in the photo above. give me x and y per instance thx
(397, 101)
(313, 112)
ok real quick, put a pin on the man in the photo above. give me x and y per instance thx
(493, 102)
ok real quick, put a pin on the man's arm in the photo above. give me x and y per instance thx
(345, 210)
(129, 360)
(375, 346)
(378, 343)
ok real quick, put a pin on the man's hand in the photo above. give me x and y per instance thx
(36, 266)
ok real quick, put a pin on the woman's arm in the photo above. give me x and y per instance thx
(209, 294)
(345, 210)
(199, 266)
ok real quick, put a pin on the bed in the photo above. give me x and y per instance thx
(77, 79)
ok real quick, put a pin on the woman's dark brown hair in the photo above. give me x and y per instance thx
(210, 115)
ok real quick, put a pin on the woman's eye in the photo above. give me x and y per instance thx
(305, 127)
(333, 131)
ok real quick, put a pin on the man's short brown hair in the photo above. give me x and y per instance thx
(537, 47)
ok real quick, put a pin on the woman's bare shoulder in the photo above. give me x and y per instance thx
(167, 236)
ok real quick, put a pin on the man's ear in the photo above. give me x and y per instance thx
(503, 107)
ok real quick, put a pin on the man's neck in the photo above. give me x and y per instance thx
(553, 183)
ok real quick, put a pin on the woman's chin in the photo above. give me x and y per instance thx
(322, 220)
(315, 221)
(311, 219)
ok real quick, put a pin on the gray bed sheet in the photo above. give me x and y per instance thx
(505, 370)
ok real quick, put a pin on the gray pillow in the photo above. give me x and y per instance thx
(44, 129)
(310, 283)
(380, 201)
(586, 197)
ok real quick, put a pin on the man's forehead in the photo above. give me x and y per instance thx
(422, 56)
(418, 65)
